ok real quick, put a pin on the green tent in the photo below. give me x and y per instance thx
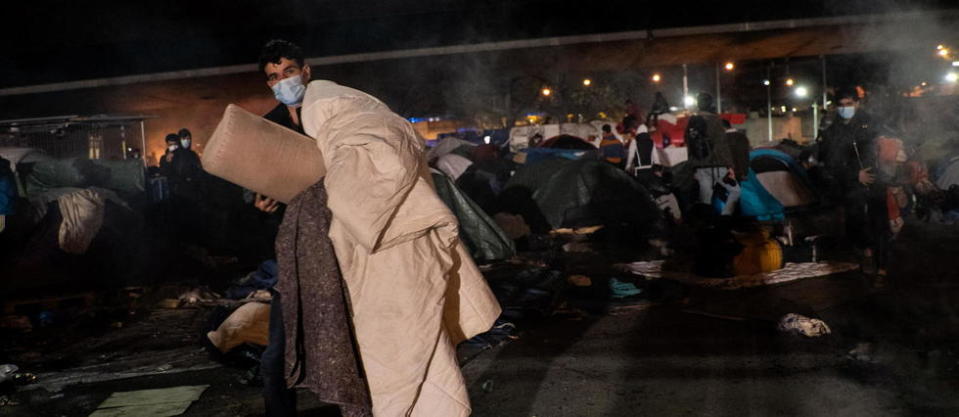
(566, 193)
(484, 239)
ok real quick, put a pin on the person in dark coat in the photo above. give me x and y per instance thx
(849, 160)
(709, 154)
(738, 150)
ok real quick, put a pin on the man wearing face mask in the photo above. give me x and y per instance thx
(287, 74)
(846, 153)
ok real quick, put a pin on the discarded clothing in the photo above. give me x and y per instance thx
(82, 218)
(264, 278)
(803, 325)
(620, 289)
(250, 323)
(791, 272)
(409, 277)
(321, 352)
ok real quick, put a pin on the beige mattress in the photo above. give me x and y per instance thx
(262, 156)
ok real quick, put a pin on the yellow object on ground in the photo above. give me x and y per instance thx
(760, 254)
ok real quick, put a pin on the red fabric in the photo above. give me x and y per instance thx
(891, 205)
(734, 118)
(888, 149)
(676, 132)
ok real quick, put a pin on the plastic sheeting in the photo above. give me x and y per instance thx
(579, 193)
(482, 236)
(121, 176)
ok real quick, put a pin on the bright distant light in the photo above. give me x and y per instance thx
(689, 101)
(952, 77)
(766, 82)
(657, 78)
(546, 91)
(487, 139)
(673, 108)
(923, 83)
(801, 92)
(587, 82)
(783, 108)
(955, 63)
(790, 82)
(944, 52)
(794, 109)
(730, 66)
(940, 47)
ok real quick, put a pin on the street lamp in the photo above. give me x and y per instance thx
(657, 78)
(546, 91)
(689, 101)
(790, 82)
(952, 77)
(587, 82)
(730, 66)
(802, 92)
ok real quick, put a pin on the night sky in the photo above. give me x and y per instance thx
(54, 41)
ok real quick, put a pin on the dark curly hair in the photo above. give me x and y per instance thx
(276, 49)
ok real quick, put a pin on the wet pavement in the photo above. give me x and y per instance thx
(893, 351)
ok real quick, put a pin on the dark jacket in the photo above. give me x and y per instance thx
(739, 152)
(706, 141)
(844, 150)
(281, 116)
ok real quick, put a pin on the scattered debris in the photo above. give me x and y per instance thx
(487, 386)
(579, 280)
(164, 402)
(578, 247)
(7, 372)
(790, 272)
(588, 230)
(16, 322)
(803, 325)
(863, 352)
(198, 295)
(620, 289)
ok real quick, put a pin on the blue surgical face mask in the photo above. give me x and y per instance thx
(847, 112)
(290, 91)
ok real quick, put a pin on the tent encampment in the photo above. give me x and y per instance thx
(775, 182)
(482, 237)
(566, 193)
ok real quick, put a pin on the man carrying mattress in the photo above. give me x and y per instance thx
(411, 289)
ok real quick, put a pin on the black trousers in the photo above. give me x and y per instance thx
(279, 400)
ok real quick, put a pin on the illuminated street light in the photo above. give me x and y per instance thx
(923, 83)
(940, 47)
(952, 77)
(587, 82)
(546, 91)
(657, 78)
(689, 101)
(801, 92)
(790, 82)
(944, 52)
(487, 139)
(766, 82)
(730, 66)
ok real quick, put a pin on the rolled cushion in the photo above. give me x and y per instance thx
(262, 156)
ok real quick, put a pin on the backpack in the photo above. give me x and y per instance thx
(697, 139)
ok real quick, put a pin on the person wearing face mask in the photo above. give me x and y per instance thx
(284, 65)
(166, 161)
(848, 158)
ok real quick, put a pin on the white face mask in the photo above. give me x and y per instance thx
(171, 148)
(290, 91)
(185, 143)
(847, 112)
